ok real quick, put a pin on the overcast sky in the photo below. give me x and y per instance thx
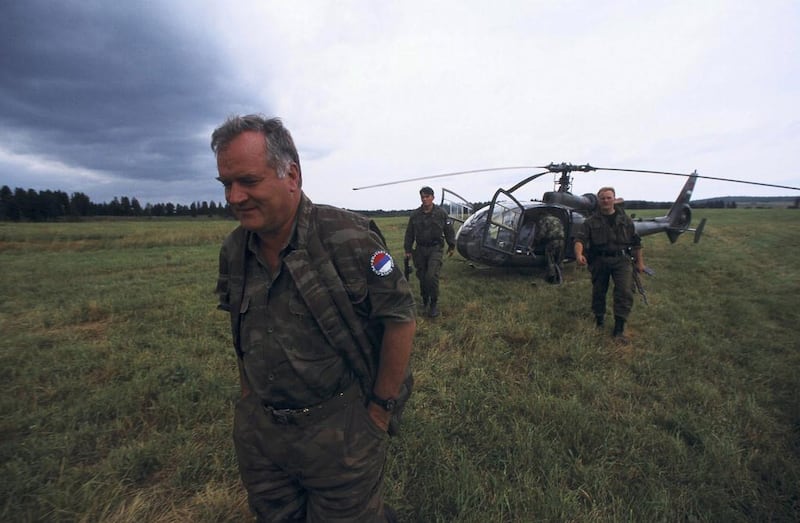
(120, 98)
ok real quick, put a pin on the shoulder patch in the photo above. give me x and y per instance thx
(381, 263)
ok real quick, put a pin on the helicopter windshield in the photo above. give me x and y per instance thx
(504, 220)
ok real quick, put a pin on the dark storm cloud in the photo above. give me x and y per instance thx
(107, 86)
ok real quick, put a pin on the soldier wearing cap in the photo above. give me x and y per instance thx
(429, 228)
(322, 323)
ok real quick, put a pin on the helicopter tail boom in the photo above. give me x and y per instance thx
(680, 214)
(677, 220)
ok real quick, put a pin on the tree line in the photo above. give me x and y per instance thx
(715, 203)
(31, 205)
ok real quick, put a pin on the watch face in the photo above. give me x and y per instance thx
(387, 405)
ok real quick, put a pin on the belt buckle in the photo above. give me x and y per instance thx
(281, 417)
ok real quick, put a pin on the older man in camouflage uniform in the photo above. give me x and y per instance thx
(430, 227)
(322, 323)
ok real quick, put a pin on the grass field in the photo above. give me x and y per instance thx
(118, 382)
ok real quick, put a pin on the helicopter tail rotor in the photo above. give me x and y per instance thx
(699, 231)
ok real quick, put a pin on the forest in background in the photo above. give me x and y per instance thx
(54, 205)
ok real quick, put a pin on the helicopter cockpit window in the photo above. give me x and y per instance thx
(457, 208)
(457, 212)
(503, 223)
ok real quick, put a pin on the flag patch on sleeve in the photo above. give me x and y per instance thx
(381, 263)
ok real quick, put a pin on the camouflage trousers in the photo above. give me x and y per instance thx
(554, 254)
(620, 270)
(428, 264)
(324, 467)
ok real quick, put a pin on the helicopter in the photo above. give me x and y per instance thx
(502, 233)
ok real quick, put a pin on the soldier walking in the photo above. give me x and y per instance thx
(322, 377)
(429, 227)
(609, 236)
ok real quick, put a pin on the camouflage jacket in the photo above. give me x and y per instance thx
(339, 264)
(599, 233)
(428, 229)
(549, 228)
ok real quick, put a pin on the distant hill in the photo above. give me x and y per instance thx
(750, 201)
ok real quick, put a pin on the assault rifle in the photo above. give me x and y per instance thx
(407, 268)
(637, 282)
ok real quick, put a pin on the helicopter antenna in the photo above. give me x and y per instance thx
(444, 175)
(695, 174)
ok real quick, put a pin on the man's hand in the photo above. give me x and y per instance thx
(450, 251)
(379, 415)
(580, 259)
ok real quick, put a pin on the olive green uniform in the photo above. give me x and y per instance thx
(609, 239)
(429, 231)
(306, 446)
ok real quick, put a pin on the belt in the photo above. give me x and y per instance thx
(315, 412)
(429, 244)
(611, 253)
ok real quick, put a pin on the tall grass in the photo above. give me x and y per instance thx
(119, 378)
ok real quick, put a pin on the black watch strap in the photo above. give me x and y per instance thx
(386, 404)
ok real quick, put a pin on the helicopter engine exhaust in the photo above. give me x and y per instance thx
(586, 203)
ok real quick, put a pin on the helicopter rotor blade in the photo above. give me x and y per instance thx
(567, 168)
(699, 176)
(474, 171)
(528, 179)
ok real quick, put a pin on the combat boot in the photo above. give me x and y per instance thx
(391, 515)
(599, 321)
(434, 310)
(619, 330)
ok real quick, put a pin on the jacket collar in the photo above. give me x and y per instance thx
(300, 230)
(302, 223)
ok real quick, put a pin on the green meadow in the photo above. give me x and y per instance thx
(118, 383)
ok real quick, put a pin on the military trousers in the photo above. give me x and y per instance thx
(428, 264)
(554, 254)
(326, 468)
(620, 270)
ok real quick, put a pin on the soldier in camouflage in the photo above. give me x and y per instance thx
(311, 444)
(550, 234)
(608, 235)
(429, 227)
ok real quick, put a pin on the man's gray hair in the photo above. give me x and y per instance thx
(280, 148)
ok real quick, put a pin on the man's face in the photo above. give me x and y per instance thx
(427, 201)
(262, 202)
(606, 202)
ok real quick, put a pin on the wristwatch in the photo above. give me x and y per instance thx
(386, 404)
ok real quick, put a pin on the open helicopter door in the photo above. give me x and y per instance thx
(504, 220)
(458, 209)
